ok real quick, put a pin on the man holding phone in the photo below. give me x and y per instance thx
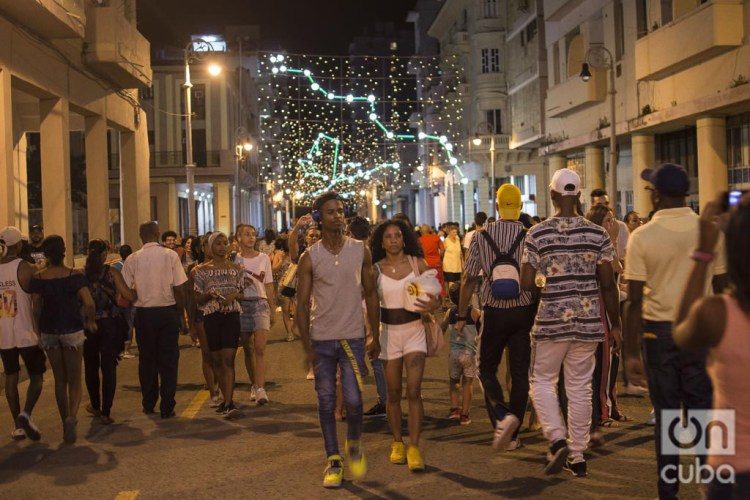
(659, 256)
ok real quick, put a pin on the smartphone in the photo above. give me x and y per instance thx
(733, 198)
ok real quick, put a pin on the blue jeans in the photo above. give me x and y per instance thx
(676, 378)
(330, 355)
(379, 373)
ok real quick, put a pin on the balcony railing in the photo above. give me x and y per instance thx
(697, 36)
(49, 18)
(171, 159)
(567, 97)
(115, 49)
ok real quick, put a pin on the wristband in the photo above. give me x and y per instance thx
(704, 257)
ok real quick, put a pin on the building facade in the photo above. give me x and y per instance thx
(67, 70)
(227, 187)
(680, 92)
(492, 56)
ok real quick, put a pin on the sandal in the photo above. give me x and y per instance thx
(608, 422)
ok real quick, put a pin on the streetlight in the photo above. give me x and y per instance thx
(477, 140)
(191, 53)
(599, 57)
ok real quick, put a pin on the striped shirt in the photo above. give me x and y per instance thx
(567, 251)
(481, 256)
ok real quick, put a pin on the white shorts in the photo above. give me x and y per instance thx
(396, 341)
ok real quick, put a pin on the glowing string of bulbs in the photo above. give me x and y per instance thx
(373, 116)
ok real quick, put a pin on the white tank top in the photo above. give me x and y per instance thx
(16, 325)
(392, 291)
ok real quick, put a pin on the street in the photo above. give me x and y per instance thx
(277, 450)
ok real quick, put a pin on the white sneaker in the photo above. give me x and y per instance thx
(262, 396)
(18, 434)
(651, 418)
(28, 425)
(215, 401)
(253, 393)
(504, 430)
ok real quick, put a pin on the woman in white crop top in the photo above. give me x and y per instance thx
(395, 250)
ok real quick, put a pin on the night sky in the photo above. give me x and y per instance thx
(301, 26)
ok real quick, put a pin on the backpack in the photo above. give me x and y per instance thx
(505, 273)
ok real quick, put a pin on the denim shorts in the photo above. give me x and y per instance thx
(66, 341)
(256, 315)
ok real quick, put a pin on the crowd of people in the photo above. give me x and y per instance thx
(573, 302)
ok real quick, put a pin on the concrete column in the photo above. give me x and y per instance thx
(713, 176)
(223, 207)
(135, 192)
(486, 201)
(7, 200)
(555, 162)
(468, 203)
(20, 188)
(644, 156)
(97, 177)
(455, 214)
(166, 204)
(594, 165)
(54, 128)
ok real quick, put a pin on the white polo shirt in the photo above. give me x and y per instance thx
(153, 271)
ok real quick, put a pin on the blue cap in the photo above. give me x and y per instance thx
(668, 179)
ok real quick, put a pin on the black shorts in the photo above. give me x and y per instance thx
(452, 277)
(33, 358)
(222, 330)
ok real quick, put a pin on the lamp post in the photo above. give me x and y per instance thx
(242, 149)
(599, 57)
(477, 140)
(190, 54)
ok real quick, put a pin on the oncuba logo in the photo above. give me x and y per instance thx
(697, 432)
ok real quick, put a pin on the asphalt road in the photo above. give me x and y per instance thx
(277, 450)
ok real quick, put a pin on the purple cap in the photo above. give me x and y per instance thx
(668, 179)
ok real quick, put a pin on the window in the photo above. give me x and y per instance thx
(556, 63)
(738, 151)
(619, 31)
(531, 30)
(490, 8)
(666, 12)
(494, 119)
(490, 60)
(641, 18)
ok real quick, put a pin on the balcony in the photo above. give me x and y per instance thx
(460, 38)
(699, 35)
(501, 142)
(573, 94)
(116, 50)
(49, 18)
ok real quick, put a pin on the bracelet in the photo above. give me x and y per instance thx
(704, 257)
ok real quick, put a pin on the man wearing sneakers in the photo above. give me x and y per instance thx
(18, 337)
(506, 322)
(334, 272)
(569, 258)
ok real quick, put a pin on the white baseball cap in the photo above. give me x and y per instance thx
(566, 182)
(10, 235)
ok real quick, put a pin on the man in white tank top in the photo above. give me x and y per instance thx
(333, 273)
(18, 334)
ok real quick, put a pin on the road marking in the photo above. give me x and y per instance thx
(127, 495)
(195, 405)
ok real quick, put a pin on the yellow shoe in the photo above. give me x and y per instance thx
(414, 459)
(355, 459)
(334, 473)
(398, 452)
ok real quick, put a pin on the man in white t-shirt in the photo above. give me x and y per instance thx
(479, 220)
(258, 305)
(600, 197)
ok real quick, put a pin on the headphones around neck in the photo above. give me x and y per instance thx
(317, 216)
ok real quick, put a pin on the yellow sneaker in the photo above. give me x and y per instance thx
(334, 472)
(414, 459)
(398, 452)
(355, 459)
